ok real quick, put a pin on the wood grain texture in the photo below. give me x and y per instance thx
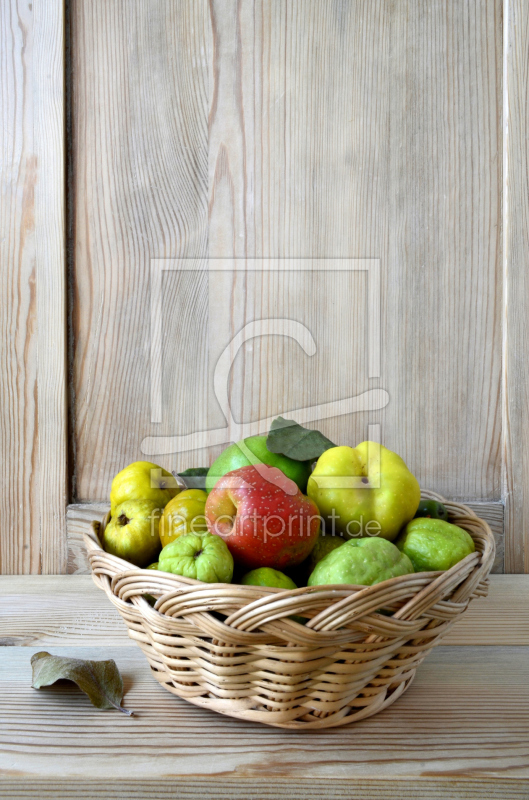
(464, 716)
(494, 514)
(79, 518)
(50, 254)
(197, 788)
(488, 622)
(48, 611)
(51, 611)
(359, 139)
(516, 287)
(345, 129)
(140, 106)
(32, 315)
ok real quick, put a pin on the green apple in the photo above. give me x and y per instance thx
(132, 532)
(253, 450)
(364, 491)
(266, 576)
(204, 557)
(433, 544)
(143, 480)
(362, 562)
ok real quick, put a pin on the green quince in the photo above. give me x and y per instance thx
(433, 544)
(324, 545)
(143, 480)
(362, 562)
(132, 532)
(183, 514)
(364, 491)
(204, 557)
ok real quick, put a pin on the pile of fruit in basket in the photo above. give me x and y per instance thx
(286, 510)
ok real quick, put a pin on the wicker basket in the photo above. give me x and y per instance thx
(236, 650)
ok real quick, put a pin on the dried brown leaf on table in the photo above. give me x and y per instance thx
(100, 680)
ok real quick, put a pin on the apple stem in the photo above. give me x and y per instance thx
(123, 519)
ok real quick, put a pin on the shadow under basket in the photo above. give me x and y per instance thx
(236, 649)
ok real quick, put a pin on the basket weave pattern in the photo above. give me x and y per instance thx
(235, 649)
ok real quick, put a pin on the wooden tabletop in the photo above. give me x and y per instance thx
(460, 731)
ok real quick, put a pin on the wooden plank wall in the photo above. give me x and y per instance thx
(290, 130)
(140, 111)
(516, 282)
(302, 129)
(33, 421)
(366, 130)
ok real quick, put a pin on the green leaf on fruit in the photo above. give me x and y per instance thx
(194, 472)
(100, 680)
(290, 439)
(195, 477)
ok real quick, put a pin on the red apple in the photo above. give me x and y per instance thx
(263, 517)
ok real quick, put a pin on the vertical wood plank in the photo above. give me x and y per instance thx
(516, 287)
(48, 99)
(366, 130)
(32, 315)
(19, 509)
(231, 228)
(140, 107)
